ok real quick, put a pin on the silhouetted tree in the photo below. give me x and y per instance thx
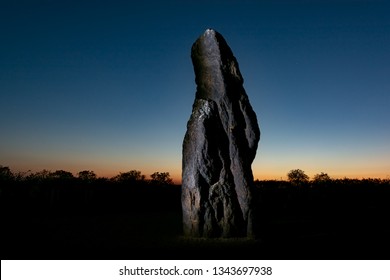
(62, 175)
(321, 178)
(133, 176)
(162, 178)
(40, 176)
(87, 176)
(5, 173)
(297, 176)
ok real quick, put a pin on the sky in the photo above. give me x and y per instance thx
(108, 86)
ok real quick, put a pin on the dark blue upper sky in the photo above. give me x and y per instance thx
(109, 85)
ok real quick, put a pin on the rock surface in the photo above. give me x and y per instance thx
(219, 146)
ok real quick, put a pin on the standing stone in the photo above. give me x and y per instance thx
(219, 146)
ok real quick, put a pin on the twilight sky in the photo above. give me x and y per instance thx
(108, 86)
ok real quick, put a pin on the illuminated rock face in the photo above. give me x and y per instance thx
(219, 146)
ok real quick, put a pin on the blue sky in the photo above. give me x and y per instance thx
(109, 85)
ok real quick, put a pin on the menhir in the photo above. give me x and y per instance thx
(219, 146)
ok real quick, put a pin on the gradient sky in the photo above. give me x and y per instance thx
(108, 86)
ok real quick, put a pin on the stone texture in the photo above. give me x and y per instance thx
(219, 146)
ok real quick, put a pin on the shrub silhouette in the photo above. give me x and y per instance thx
(321, 178)
(87, 176)
(62, 175)
(5, 174)
(297, 176)
(161, 179)
(133, 176)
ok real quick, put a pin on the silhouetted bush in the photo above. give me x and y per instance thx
(297, 177)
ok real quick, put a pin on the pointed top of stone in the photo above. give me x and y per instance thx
(210, 34)
(209, 31)
(212, 37)
(214, 64)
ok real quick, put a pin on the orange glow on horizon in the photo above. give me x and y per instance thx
(175, 172)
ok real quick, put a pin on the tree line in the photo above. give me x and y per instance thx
(298, 177)
(85, 176)
(60, 190)
(131, 190)
(294, 176)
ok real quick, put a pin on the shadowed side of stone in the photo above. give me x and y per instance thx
(219, 146)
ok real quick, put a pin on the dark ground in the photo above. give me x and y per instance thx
(296, 222)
